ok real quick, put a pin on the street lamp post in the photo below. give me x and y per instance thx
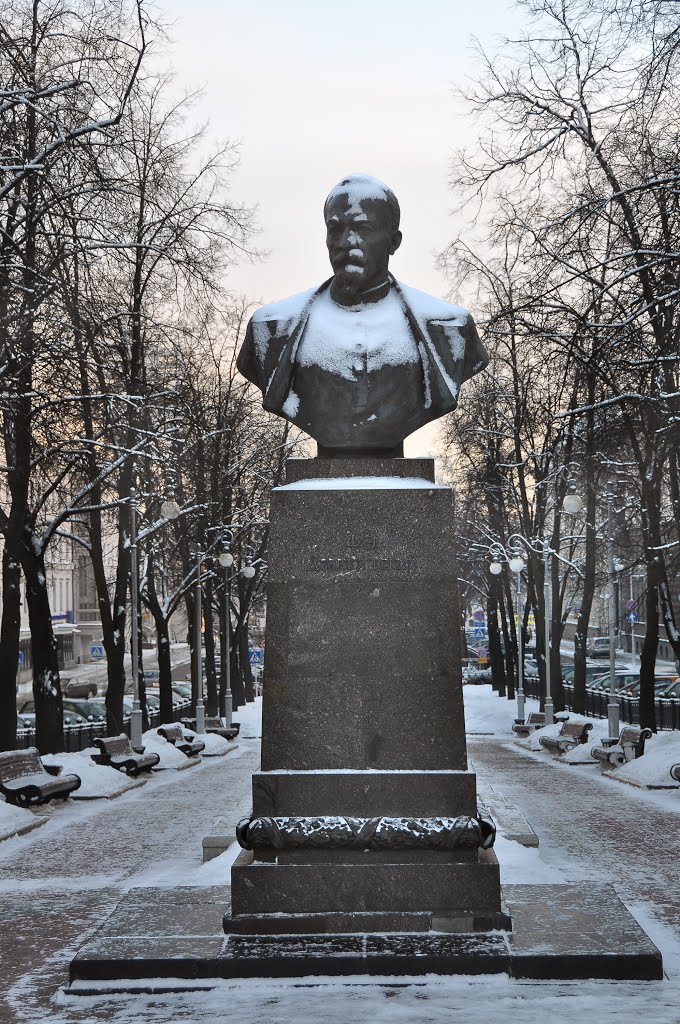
(572, 504)
(613, 705)
(517, 565)
(198, 666)
(136, 713)
(549, 714)
(226, 560)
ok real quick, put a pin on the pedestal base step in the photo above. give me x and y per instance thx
(364, 922)
(172, 937)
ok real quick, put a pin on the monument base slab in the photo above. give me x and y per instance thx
(172, 937)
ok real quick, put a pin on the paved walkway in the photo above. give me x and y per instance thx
(591, 826)
(57, 883)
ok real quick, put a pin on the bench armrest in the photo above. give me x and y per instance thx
(52, 769)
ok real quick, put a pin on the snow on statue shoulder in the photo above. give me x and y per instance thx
(362, 361)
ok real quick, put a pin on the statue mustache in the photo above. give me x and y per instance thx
(353, 255)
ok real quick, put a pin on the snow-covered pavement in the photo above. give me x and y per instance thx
(58, 882)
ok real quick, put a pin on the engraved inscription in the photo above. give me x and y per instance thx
(361, 563)
(365, 552)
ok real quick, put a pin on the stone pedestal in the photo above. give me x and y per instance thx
(363, 708)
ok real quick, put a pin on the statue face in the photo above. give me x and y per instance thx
(360, 243)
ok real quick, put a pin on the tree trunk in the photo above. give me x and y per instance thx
(10, 635)
(581, 634)
(238, 697)
(209, 634)
(164, 670)
(648, 655)
(141, 685)
(495, 652)
(509, 640)
(556, 627)
(49, 721)
(161, 623)
(246, 671)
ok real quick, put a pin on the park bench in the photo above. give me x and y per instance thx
(675, 772)
(535, 720)
(630, 744)
(117, 752)
(570, 735)
(25, 780)
(175, 734)
(214, 724)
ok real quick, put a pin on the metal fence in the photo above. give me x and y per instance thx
(83, 734)
(667, 709)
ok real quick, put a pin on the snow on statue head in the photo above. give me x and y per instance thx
(362, 361)
(362, 232)
(358, 187)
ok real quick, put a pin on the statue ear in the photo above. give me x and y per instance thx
(395, 242)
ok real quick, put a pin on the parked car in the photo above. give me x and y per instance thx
(530, 668)
(89, 709)
(127, 704)
(27, 713)
(598, 647)
(79, 688)
(182, 690)
(153, 698)
(592, 672)
(671, 690)
(662, 684)
(622, 681)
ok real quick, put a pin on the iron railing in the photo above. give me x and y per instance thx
(667, 708)
(83, 734)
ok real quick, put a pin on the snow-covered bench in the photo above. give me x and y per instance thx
(535, 720)
(25, 780)
(175, 734)
(570, 735)
(630, 744)
(675, 772)
(117, 752)
(214, 724)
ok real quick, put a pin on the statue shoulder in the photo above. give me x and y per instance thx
(289, 309)
(427, 307)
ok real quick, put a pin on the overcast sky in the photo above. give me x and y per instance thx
(315, 91)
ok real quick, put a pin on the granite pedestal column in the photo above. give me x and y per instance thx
(363, 709)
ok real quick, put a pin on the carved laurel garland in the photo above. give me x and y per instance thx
(382, 833)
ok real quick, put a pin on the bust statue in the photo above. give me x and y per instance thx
(362, 361)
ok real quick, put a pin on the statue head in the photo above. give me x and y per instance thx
(362, 232)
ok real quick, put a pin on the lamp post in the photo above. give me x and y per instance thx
(198, 666)
(572, 505)
(549, 714)
(517, 565)
(613, 704)
(226, 560)
(136, 713)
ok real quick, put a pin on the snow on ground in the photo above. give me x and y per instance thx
(170, 757)
(13, 818)
(488, 714)
(215, 746)
(662, 751)
(96, 780)
(400, 1000)
(428, 1000)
